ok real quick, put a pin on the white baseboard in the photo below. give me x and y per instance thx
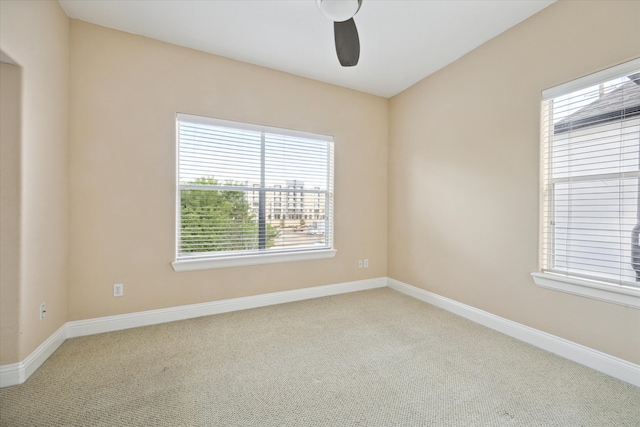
(602, 362)
(11, 374)
(152, 317)
(17, 373)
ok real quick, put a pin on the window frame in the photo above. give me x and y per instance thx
(254, 257)
(586, 287)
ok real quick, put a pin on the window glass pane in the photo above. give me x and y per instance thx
(592, 173)
(283, 197)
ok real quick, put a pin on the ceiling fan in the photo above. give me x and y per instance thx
(341, 12)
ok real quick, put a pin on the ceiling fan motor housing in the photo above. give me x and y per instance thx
(339, 10)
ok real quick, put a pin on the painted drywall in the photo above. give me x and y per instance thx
(35, 34)
(464, 172)
(9, 211)
(125, 93)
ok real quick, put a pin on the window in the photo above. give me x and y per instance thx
(231, 177)
(591, 186)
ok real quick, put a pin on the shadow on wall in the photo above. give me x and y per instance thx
(10, 93)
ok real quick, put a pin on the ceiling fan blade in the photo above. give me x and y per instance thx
(347, 42)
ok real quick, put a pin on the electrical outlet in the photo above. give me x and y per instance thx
(359, 263)
(118, 290)
(43, 311)
(366, 263)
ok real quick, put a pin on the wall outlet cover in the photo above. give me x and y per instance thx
(118, 290)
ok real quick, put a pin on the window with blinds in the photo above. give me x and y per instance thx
(591, 177)
(248, 190)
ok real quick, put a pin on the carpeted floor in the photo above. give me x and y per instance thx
(372, 358)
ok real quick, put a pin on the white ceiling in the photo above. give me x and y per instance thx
(402, 41)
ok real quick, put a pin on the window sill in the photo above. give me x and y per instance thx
(245, 260)
(617, 294)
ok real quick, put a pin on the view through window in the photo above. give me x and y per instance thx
(591, 161)
(247, 189)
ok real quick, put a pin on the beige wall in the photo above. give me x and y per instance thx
(463, 172)
(35, 34)
(9, 211)
(450, 165)
(125, 93)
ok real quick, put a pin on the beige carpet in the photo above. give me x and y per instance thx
(373, 358)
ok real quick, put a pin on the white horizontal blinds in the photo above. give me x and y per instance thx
(218, 154)
(591, 155)
(247, 189)
(289, 159)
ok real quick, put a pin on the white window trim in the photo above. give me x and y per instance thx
(591, 79)
(617, 294)
(254, 259)
(224, 261)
